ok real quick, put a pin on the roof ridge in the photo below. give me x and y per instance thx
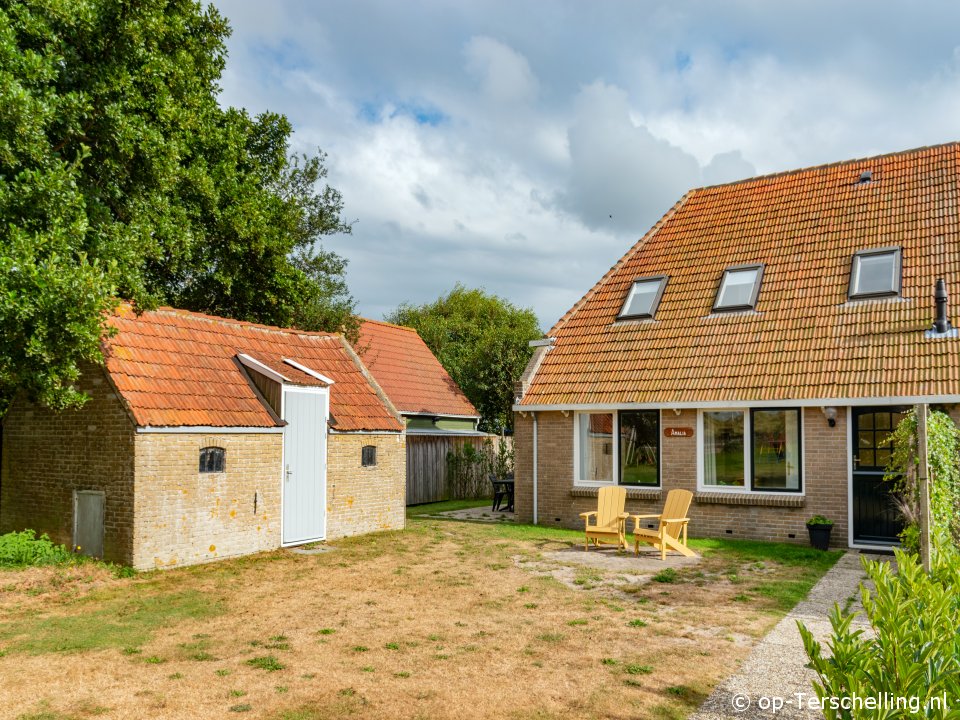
(220, 320)
(389, 324)
(558, 325)
(837, 163)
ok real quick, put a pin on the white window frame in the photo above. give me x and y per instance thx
(615, 450)
(747, 488)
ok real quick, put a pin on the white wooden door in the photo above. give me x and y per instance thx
(304, 464)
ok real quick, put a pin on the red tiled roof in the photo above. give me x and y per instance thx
(408, 372)
(806, 340)
(178, 368)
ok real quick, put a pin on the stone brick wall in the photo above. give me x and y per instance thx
(47, 455)
(825, 482)
(365, 499)
(183, 516)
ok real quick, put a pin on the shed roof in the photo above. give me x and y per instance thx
(179, 368)
(805, 340)
(409, 372)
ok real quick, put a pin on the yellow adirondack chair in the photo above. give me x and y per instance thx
(671, 534)
(610, 520)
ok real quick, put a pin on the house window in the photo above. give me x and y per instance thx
(594, 447)
(368, 455)
(875, 273)
(639, 447)
(756, 450)
(739, 288)
(213, 460)
(643, 298)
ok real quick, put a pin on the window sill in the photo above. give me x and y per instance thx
(633, 493)
(756, 499)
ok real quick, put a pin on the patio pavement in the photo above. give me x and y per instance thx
(777, 666)
(475, 514)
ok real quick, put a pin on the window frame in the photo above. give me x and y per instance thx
(223, 459)
(717, 307)
(657, 297)
(748, 468)
(364, 449)
(897, 253)
(615, 440)
(753, 473)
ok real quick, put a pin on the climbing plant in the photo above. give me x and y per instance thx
(943, 470)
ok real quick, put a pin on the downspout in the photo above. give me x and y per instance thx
(534, 414)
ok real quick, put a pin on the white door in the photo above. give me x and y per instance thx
(305, 464)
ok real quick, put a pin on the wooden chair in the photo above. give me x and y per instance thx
(610, 520)
(671, 533)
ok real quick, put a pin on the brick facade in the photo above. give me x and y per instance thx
(47, 455)
(365, 499)
(183, 516)
(825, 481)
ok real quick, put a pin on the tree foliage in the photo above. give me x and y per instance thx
(122, 177)
(482, 341)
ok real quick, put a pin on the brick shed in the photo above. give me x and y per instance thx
(206, 438)
(756, 347)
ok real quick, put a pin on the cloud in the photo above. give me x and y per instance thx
(504, 74)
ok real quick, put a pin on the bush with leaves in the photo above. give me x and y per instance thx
(20, 549)
(913, 651)
(469, 468)
(943, 446)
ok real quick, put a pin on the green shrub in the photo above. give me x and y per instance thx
(19, 549)
(912, 653)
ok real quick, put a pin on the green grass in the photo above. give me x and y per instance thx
(113, 620)
(267, 662)
(445, 506)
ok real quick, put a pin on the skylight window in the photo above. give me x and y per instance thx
(643, 298)
(739, 288)
(875, 273)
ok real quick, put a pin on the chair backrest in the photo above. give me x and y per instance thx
(676, 506)
(610, 504)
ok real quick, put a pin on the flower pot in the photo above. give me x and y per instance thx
(820, 536)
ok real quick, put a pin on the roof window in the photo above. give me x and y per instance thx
(643, 298)
(875, 273)
(739, 288)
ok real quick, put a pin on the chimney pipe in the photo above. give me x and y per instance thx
(942, 323)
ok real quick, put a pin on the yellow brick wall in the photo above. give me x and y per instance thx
(365, 499)
(183, 516)
(47, 455)
(825, 480)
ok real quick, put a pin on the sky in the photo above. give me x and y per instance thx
(524, 146)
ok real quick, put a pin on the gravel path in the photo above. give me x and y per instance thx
(777, 666)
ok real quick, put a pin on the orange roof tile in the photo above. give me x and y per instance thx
(177, 368)
(408, 372)
(805, 340)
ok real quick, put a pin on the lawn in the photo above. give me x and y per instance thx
(444, 619)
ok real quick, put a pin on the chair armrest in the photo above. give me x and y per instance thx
(673, 520)
(623, 516)
(588, 514)
(644, 517)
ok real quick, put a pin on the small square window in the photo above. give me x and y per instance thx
(368, 455)
(643, 298)
(739, 288)
(213, 460)
(875, 273)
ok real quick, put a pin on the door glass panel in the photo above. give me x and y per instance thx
(639, 447)
(882, 421)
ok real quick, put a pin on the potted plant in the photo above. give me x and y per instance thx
(819, 528)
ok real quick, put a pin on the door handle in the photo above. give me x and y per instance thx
(856, 461)
(288, 473)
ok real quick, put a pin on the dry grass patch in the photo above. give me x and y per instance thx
(344, 635)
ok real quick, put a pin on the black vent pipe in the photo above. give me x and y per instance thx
(942, 323)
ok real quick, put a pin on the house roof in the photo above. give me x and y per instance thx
(179, 368)
(805, 340)
(408, 372)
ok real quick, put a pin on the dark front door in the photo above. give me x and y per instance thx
(875, 516)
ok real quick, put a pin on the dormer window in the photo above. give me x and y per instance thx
(875, 273)
(643, 298)
(739, 288)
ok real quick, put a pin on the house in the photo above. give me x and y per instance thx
(205, 438)
(438, 416)
(756, 346)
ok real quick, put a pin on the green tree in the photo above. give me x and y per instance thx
(122, 177)
(482, 341)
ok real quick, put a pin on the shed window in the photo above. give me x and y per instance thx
(643, 298)
(875, 273)
(739, 288)
(213, 460)
(368, 455)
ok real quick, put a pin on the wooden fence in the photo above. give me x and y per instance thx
(427, 465)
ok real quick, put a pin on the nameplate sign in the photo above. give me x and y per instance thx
(671, 432)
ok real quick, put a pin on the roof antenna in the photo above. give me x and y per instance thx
(942, 323)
